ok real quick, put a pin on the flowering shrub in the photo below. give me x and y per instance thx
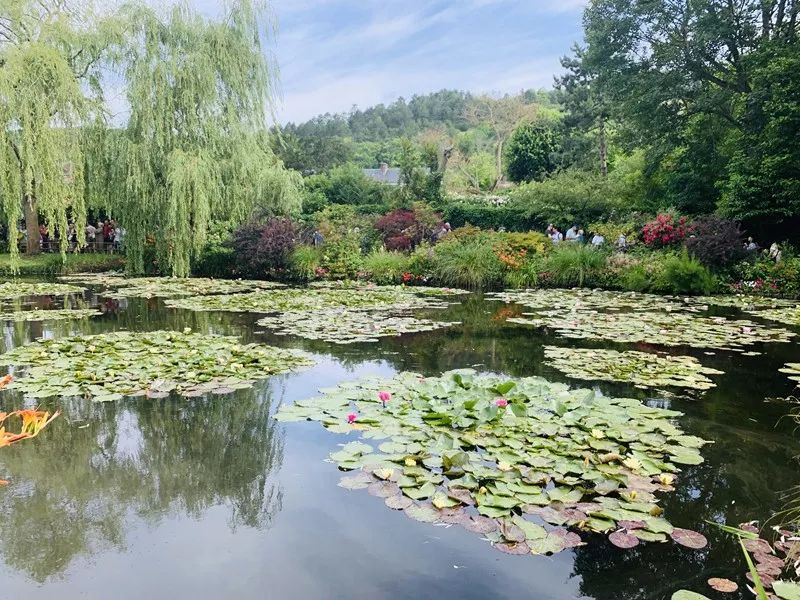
(665, 231)
(403, 229)
(765, 276)
(264, 249)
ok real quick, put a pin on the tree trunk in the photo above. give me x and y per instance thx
(603, 146)
(498, 159)
(32, 224)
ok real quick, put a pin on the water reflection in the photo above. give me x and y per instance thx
(73, 494)
(131, 496)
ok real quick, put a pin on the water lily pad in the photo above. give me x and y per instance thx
(689, 538)
(787, 590)
(425, 514)
(483, 525)
(622, 539)
(687, 595)
(549, 544)
(399, 502)
(725, 586)
(515, 548)
(383, 489)
(358, 481)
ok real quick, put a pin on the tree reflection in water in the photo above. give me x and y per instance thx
(76, 491)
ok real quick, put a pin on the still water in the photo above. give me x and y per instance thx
(211, 498)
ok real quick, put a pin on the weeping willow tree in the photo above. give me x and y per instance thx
(195, 150)
(49, 89)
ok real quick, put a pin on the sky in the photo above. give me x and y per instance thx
(336, 54)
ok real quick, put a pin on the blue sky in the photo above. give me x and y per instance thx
(334, 54)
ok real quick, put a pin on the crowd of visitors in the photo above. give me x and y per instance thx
(577, 235)
(106, 236)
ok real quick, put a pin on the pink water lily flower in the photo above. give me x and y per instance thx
(351, 418)
(384, 396)
(501, 402)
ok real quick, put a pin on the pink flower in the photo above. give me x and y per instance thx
(351, 418)
(501, 402)
(384, 396)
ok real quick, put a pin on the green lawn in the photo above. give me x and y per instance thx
(55, 264)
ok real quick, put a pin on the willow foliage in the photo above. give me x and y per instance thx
(49, 90)
(194, 151)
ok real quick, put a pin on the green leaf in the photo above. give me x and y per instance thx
(787, 590)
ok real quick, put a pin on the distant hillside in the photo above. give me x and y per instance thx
(401, 118)
(367, 137)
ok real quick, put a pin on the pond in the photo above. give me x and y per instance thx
(212, 497)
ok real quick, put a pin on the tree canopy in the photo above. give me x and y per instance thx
(195, 149)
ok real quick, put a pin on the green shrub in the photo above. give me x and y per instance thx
(216, 260)
(341, 257)
(575, 264)
(683, 274)
(421, 260)
(304, 262)
(471, 263)
(532, 242)
(386, 268)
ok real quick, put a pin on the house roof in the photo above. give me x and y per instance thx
(388, 176)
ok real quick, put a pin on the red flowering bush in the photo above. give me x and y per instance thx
(666, 231)
(263, 249)
(403, 229)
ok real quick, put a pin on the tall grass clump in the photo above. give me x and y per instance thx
(386, 268)
(571, 264)
(304, 262)
(469, 263)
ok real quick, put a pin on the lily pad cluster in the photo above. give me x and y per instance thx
(591, 300)
(785, 315)
(668, 329)
(793, 370)
(170, 287)
(49, 315)
(344, 326)
(744, 301)
(20, 289)
(517, 461)
(358, 285)
(284, 300)
(640, 368)
(113, 365)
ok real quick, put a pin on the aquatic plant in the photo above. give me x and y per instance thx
(49, 315)
(20, 289)
(667, 329)
(316, 298)
(640, 368)
(347, 326)
(450, 451)
(113, 365)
